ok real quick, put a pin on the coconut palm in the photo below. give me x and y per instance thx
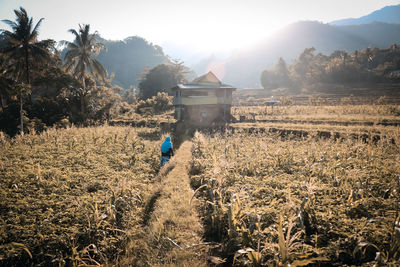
(80, 58)
(24, 50)
(22, 45)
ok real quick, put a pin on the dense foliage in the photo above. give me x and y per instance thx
(23, 52)
(243, 68)
(370, 65)
(37, 90)
(156, 105)
(161, 79)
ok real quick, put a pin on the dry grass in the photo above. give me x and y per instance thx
(313, 129)
(73, 196)
(97, 196)
(343, 113)
(299, 201)
(173, 232)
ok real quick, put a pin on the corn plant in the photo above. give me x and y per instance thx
(340, 197)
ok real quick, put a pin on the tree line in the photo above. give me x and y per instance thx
(41, 86)
(369, 65)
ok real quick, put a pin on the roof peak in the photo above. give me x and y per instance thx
(207, 79)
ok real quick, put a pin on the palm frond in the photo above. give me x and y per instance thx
(12, 39)
(22, 45)
(69, 65)
(78, 40)
(36, 29)
(97, 69)
(71, 54)
(84, 30)
(10, 23)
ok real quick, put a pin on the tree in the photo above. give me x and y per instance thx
(80, 59)
(282, 73)
(302, 66)
(276, 77)
(161, 78)
(268, 80)
(24, 50)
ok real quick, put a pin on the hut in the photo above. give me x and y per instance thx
(204, 101)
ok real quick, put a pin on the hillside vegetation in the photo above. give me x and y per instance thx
(244, 67)
(129, 58)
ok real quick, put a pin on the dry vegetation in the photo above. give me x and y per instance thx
(174, 231)
(73, 196)
(97, 196)
(320, 120)
(374, 114)
(273, 201)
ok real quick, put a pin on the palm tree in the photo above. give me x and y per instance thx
(79, 58)
(24, 50)
(23, 46)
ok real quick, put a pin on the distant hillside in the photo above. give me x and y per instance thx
(243, 69)
(183, 52)
(201, 66)
(128, 59)
(389, 14)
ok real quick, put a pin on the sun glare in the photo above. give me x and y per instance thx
(223, 37)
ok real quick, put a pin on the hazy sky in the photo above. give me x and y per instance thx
(201, 24)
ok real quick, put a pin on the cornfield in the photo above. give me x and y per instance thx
(73, 196)
(299, 201)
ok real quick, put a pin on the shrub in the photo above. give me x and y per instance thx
(36, 125)
(156, 105)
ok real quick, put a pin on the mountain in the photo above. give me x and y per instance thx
(183, 52)
(389, 14)
(128, 58)
(197, 59)
(244, 68)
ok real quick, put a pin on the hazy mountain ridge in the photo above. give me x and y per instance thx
(128, 58)
(388, 14)
(244, 68)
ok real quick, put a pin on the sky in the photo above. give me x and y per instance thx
(201, 24)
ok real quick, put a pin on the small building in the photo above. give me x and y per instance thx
(203, 101)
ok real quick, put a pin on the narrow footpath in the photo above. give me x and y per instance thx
(173, 221)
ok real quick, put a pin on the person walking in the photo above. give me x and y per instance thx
(166, 151)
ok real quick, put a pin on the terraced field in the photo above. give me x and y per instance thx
(344, 121)
(337, 114)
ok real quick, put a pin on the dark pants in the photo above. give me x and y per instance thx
(164, 159)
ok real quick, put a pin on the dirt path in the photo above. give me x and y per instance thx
(172, 219)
